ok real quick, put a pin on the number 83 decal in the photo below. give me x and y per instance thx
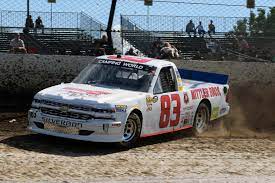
(165, 115)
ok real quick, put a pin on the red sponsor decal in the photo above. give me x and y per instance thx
(130, 58)
(87, 92)
(165, 110)
(202, 93)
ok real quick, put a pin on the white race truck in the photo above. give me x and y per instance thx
(124, 98)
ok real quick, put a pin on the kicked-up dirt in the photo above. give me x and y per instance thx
(238, 148)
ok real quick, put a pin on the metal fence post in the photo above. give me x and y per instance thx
(77, 25)
(121, 34)
(1, 21)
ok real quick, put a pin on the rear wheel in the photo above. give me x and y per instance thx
(132, 131)
(202, 118)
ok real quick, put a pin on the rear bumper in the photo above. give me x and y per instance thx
(224, 111)
(95, 130)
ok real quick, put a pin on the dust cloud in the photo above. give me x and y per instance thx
(252, 113)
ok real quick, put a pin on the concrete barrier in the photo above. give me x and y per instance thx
(31, 73)
(252, 84)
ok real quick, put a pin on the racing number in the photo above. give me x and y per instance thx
(165, 110)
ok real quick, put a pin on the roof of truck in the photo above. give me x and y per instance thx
(138, 60)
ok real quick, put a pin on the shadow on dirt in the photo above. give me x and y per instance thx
(74, 148)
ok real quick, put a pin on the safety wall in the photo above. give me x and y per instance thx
(31, 73)
(251, 73)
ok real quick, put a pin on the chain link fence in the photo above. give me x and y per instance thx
(134, 25)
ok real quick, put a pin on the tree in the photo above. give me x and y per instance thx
(260, 24)
(260, 21)
(270, 23)
(252, 23)
(241, 27)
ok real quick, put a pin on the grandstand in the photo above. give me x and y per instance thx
(141, 31)
(75, 36)
(76, 33)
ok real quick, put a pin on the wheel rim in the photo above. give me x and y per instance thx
(201, 120)
(129, 130)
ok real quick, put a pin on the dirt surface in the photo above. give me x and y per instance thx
(238, 148)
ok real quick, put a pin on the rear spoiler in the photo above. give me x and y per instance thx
(204, 76)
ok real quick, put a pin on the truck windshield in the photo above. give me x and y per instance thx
(117, 74)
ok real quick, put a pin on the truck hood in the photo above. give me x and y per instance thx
(87, 94)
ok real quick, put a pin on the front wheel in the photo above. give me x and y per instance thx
(132, 131)
(202, 118)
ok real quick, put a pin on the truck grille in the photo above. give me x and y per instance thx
(75, 107)
(66, 114)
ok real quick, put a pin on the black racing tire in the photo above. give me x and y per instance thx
(132, 131)
(201, 120)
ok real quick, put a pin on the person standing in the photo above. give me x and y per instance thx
(131, 52)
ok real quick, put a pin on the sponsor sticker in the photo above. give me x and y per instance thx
(149, 102)
(61, 122)
(202, 93)
(189, 108)
(85, 92)
(149, 107)
(150, 99)
(215, 113)
(122, 64)
(121, 108)
(185, 98)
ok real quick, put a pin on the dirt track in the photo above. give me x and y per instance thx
(239, 148)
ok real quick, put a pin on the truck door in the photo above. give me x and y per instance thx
(166, 109)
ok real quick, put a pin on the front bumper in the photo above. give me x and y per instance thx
(86, 130)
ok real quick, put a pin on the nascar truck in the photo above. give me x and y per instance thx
(124, 98)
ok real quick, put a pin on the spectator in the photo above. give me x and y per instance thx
(244, 46)
(200, 29)
(101, 46)
(39, 25)
(155, 49)
(269, 54)
(159, 41)
(17, 45)
(190, 27)
(197, 56)
(131, 52)
(168, 51)
(211, 28)
(29, 22)
(175, 52)
(235, 43)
